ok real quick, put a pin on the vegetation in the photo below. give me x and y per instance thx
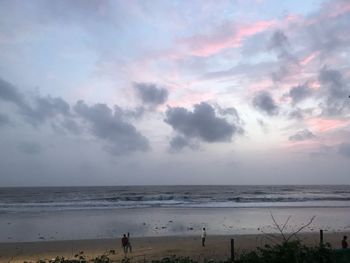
(81, 258)
(286, 252)
(175, 259)
(289, 252)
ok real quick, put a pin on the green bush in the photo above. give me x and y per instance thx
(175, 259)
(289, 252)
(80, 258)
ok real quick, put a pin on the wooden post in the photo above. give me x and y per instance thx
(321, 245)
(232, 250)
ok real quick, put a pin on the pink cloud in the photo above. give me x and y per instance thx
(324, 125)
(263, 84)
(306, 60)
(338, 8)
(226, 37)
(291, 18)
(188, 99)
(306, 144)
(314, 84)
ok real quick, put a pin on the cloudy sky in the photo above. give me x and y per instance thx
(174, 92)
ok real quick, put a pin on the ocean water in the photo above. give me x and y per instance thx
(38, 199)
(66, 213)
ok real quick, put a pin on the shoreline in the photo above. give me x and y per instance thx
(217, 246)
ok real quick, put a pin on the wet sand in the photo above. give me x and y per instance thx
(148, 248)
(148, 222)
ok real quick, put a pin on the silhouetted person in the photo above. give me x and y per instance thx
(125, 244)
(204, 235)
(344, 243)
(128, 246)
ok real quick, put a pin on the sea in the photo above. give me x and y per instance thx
(60, 213)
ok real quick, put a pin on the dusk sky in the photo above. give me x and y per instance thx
(174, 92)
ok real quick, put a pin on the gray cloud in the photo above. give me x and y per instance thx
(299, 114)
(30, 148)
(279, 43)
(335, 91)
(327, 35)
(67, 125)
(106, 124)
(10, 94)
(39, 110)
(230, 111)
(179, 142)
(44, 108)
(122, 137)
(322, 151)
(4, 120)
(136, 113)
(151, 94)
(296, 114)
(202, 123)
(341, 149)
(264, 102)
(264, 126)
(299, 93)
(71, 125)
(302, 136)
(344, 149)
(281, 73)
(333, 83)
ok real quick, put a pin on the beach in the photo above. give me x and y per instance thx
(42, 223)
(148, 248)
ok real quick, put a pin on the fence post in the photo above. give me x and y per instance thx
(321, 245)
(232, 250)
(321, 237)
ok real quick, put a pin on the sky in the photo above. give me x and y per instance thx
(101, 92)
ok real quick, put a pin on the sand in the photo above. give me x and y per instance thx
(147, 248)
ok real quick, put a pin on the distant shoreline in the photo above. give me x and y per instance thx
(161, 185)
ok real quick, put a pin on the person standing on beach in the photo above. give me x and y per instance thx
(344, 243)
(128, 246)
(204, 235)
(125, 244)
